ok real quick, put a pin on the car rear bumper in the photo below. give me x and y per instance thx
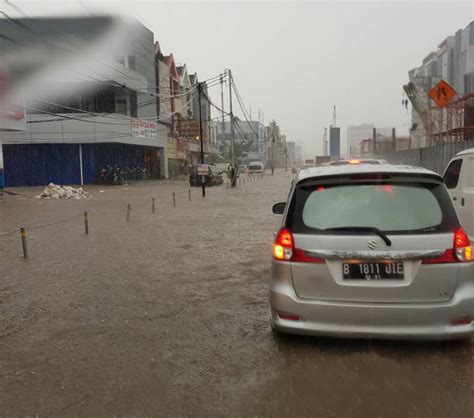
(372, 320)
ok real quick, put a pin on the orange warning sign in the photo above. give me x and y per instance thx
(442, 93)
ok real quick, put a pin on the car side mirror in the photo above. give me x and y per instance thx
(279, 208)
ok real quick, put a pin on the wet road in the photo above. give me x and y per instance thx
(166, 315)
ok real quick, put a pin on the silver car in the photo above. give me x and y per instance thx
(372, 251)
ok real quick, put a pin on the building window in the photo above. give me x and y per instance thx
(131, 62)
(133, 105)
(122, 106)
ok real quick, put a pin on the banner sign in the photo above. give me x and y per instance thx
(171, 148)
(181, 149)
(143, 129)
(190, 128)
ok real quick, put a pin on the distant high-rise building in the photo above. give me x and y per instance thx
(334, 142)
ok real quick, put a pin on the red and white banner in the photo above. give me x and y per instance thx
(143, 129)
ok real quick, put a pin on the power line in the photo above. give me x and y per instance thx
(98, 114)
(243, 108)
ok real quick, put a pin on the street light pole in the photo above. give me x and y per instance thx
(233, 180)
(203, 179)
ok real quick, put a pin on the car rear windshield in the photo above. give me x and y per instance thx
(390, 207)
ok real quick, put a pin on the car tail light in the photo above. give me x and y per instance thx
(461, 251)
(284, 245)
(284, 249)
(462, 246)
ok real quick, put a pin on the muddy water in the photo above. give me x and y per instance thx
(166, 315)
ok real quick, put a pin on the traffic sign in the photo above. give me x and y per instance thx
(442, 93)
(203, 169)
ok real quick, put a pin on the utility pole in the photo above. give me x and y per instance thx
(233, 180)
(273, 149)
(374, 141)
(203, 179)
(286, 159)
(325, 141)
(222, 104)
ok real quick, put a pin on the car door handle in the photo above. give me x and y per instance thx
(462, 201)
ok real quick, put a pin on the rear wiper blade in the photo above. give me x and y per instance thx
(363, 229)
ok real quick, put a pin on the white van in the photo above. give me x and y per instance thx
(256, 167)
(459, 179)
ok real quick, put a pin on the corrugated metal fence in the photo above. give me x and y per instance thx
(433, 158)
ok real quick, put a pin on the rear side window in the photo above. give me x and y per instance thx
(451, 176)
(469, 167)
(395, 208)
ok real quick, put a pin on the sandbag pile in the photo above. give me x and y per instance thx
(54, 191)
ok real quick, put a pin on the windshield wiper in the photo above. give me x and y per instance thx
(363, 229)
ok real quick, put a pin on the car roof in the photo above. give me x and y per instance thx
(337, 170)
(466, 151)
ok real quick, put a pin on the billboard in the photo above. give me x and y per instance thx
(334, 142)
(191, 129)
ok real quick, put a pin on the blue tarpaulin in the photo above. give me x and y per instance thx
(40, 164)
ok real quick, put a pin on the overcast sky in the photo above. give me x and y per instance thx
(296, 60)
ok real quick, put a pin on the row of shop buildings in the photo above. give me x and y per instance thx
(80, 94)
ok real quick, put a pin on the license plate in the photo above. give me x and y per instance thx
(373, 271)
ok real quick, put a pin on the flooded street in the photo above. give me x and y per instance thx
(167, 315)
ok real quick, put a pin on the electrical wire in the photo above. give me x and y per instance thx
(100, 115)
(243, 108)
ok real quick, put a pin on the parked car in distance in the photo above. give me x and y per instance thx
(213, 178)
(459, 179)
(371, 251)
(256, 167)
(222, 167)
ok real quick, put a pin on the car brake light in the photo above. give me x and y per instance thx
(461, 251)
(284, 249)
(354, 162)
